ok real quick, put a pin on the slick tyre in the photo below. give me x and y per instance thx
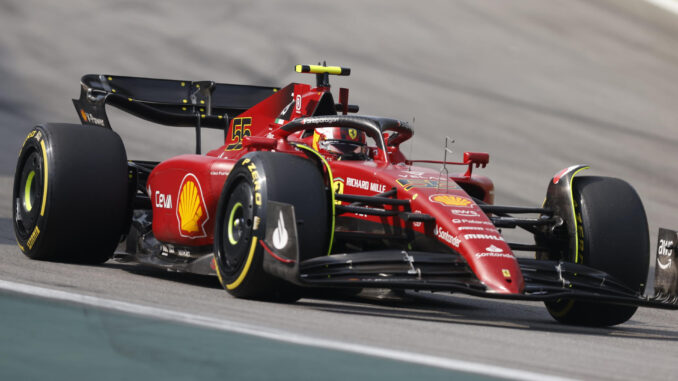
(613, 237)
(70, 193)
(256, 180)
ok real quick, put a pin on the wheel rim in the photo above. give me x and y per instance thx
(236, 224)
(237, 229)
(29, 192)
(28, 196)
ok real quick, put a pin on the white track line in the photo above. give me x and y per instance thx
(231, 326)
(669, 5)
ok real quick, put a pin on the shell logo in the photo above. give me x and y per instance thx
(191, 210)
(451, 200)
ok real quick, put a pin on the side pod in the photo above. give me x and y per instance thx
(559, 199)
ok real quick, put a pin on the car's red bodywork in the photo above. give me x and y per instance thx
(302, 195)
(185, 190)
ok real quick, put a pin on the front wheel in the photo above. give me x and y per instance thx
(613, 236)
(256, 180)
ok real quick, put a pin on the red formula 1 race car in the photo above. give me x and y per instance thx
(302, 194)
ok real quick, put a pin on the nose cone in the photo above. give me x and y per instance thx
(508, 280)
(493, 263)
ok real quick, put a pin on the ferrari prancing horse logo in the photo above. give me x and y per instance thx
(191, 210)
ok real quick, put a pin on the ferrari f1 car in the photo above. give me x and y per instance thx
(305, 193)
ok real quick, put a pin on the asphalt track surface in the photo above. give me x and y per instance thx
(539, 85)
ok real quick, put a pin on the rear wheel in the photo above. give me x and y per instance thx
(256, 180)
(613, 237)
(70, 193)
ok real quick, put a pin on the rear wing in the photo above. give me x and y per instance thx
(169, 102)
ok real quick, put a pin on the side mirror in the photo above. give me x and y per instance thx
(477, 158)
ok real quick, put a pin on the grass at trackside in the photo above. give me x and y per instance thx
(44, 339)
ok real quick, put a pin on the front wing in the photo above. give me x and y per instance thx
(395, 269)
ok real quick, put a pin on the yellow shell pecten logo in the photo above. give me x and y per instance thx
(450, 200)
(191, 211)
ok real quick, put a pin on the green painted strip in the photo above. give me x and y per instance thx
(45, 339)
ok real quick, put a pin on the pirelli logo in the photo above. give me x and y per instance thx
(33, 238)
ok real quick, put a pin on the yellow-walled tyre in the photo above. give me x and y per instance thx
(613, 237)
(70, 197)
(241, 222)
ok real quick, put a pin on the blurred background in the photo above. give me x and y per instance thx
(539, 85)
